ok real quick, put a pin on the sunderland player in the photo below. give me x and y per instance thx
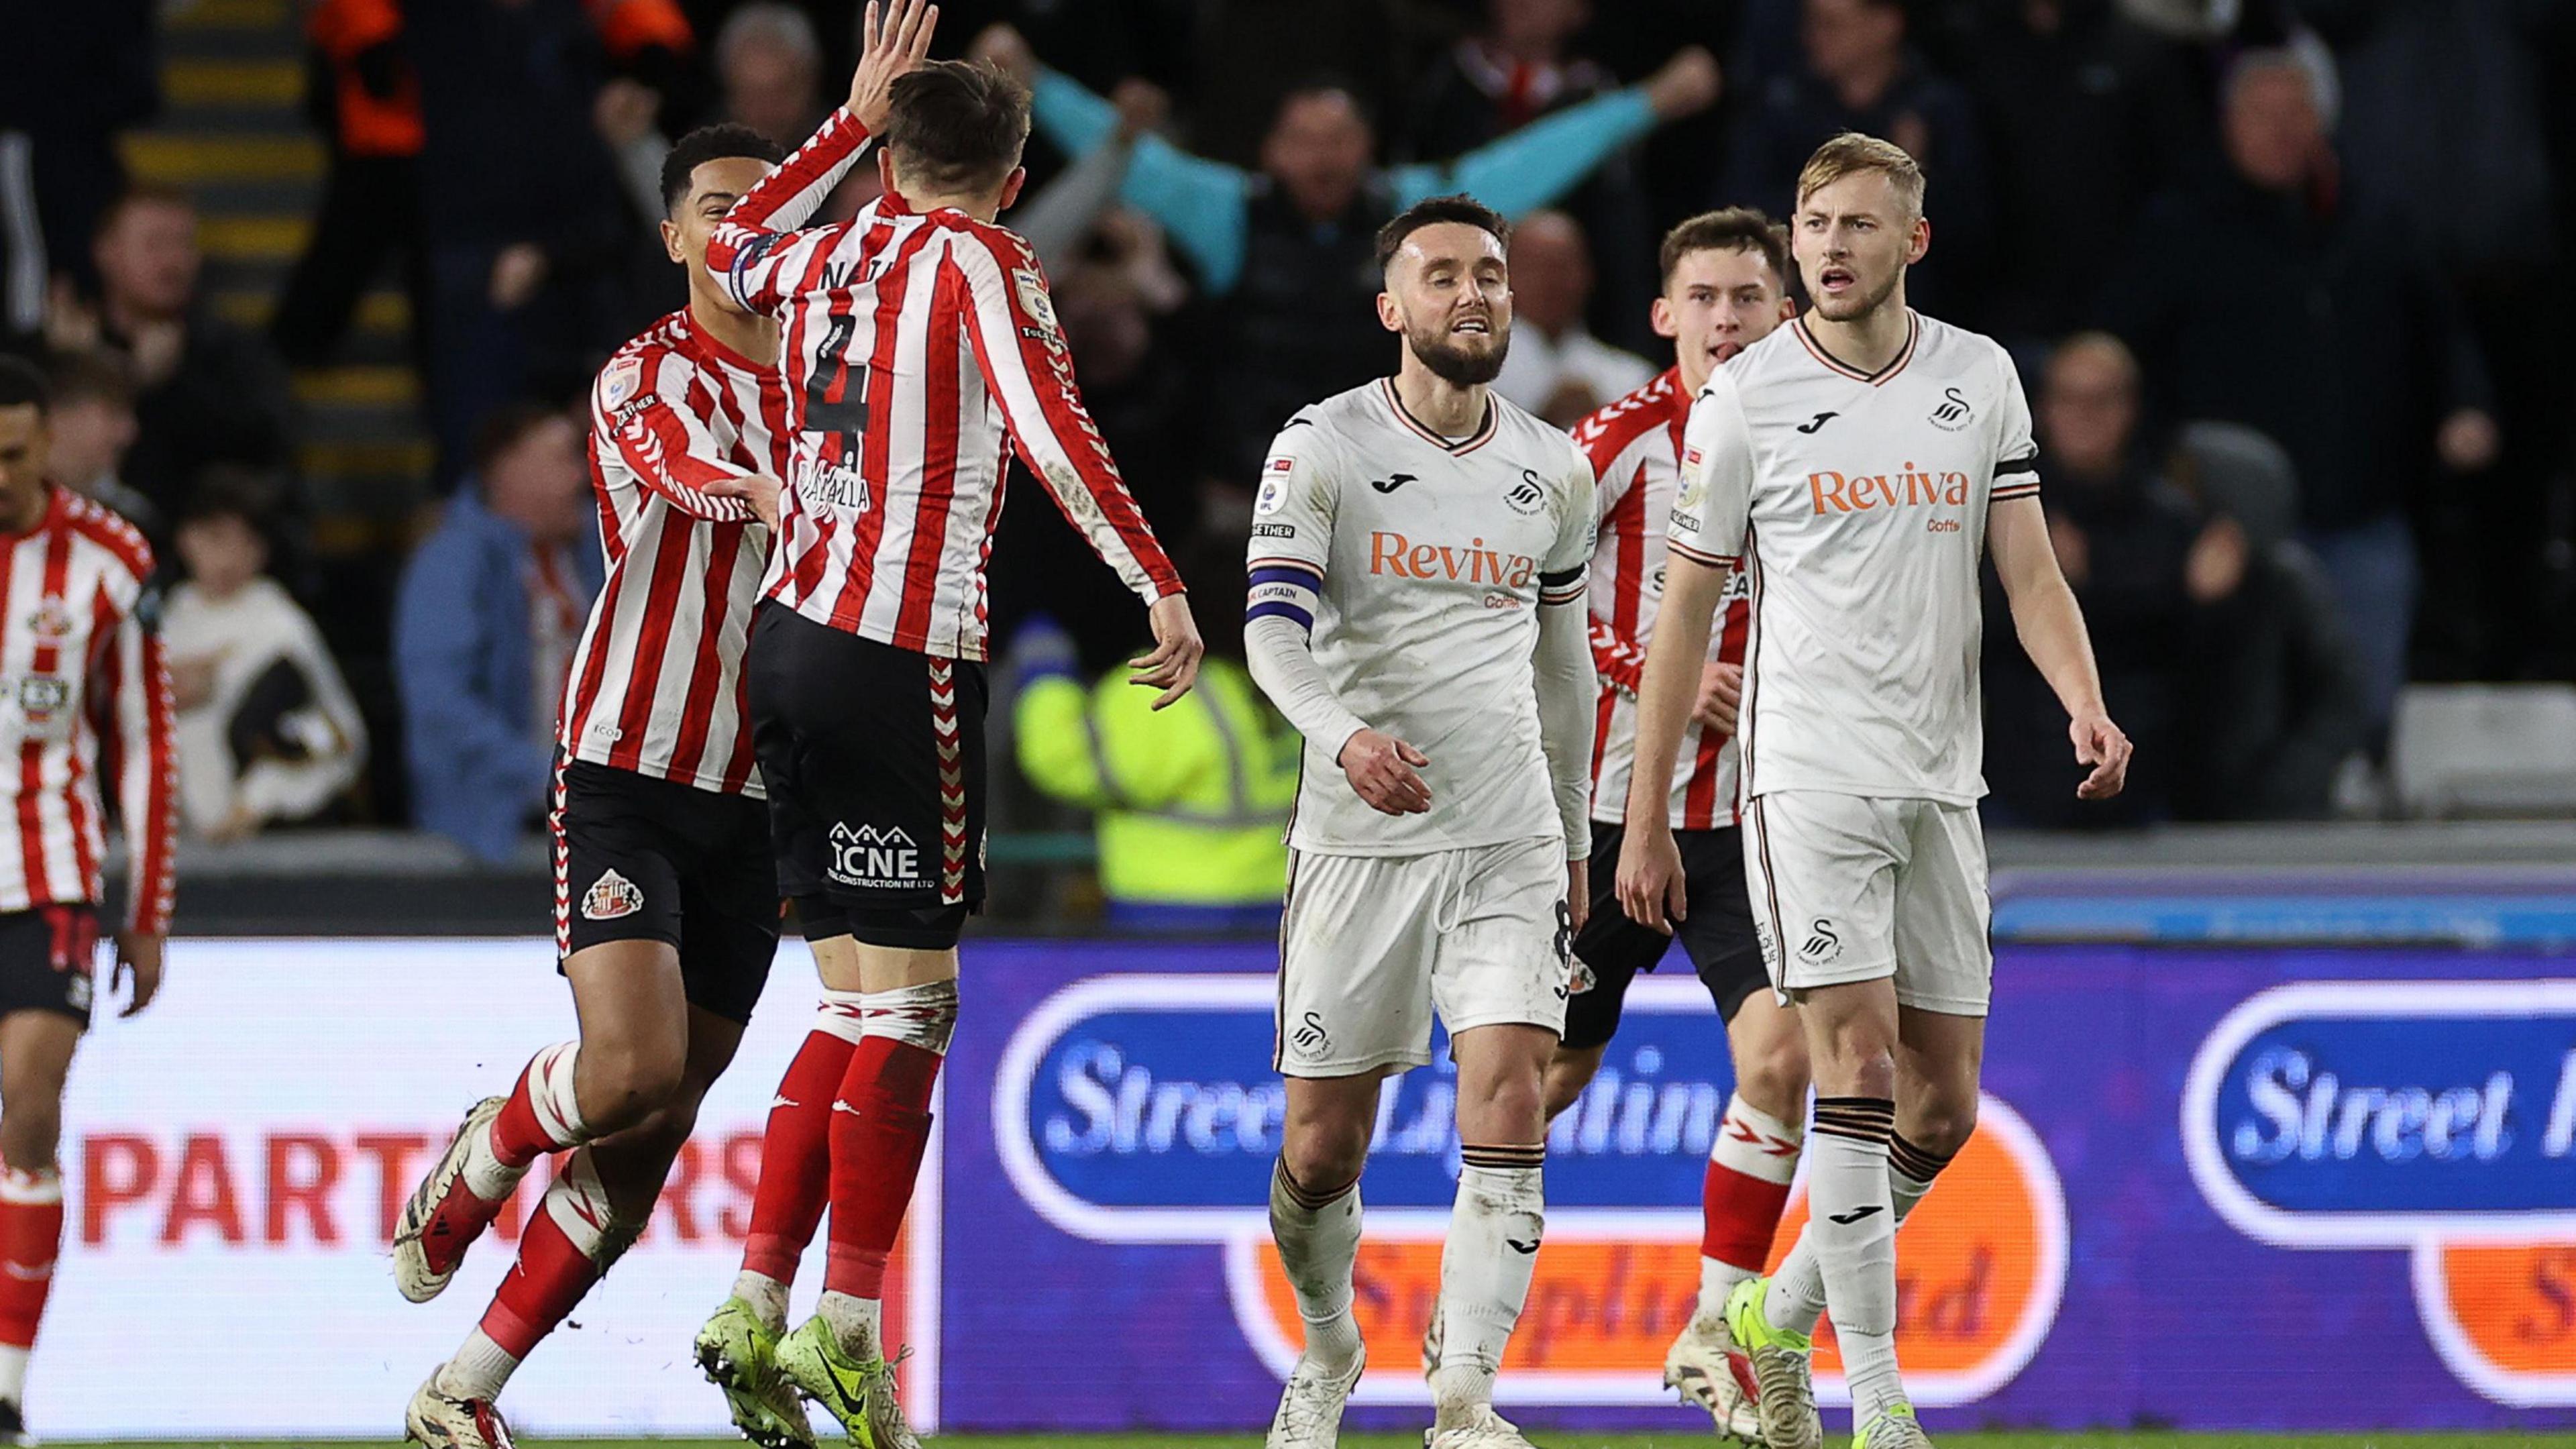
(1856, 464)
(1725, 288)
(1417, 581)
(666, 897)
(918, 341)
(88, 704)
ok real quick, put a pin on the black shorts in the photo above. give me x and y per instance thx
(48, 957)
(641, 859)
(1717, 935)
(873, 757)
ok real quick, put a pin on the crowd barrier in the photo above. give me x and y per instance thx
(2214, 1186)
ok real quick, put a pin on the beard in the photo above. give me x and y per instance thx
(1852, 307)
(1457, 364)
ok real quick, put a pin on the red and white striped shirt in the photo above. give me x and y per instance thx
(87, 699)
(1635, 446)
(911, 342)
(656, 685)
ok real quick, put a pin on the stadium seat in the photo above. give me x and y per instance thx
(2485, 749)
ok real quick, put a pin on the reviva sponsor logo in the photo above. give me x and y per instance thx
(1906, 488)
(1393, 553)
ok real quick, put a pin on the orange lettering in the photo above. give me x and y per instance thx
(1424, 556)
(1824, 494)
(1386, 551)
(1958, 489)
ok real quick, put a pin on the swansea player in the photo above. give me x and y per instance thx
(1417, 580)
(1725, 288)
(1857, 464)
(88, 705)
(918, 340)
(666, 897)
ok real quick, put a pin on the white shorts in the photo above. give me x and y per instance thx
(1854, 888)
(1370, 945)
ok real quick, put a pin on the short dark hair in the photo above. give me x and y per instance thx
(1324, 83)
(89, 374)
(957, 126)
(712, 143)
(141, 194)
(1734, 229)
(1433, 211)
(22, 385)
(227, 490)
(504, 427)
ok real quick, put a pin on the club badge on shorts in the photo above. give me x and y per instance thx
(611, 897)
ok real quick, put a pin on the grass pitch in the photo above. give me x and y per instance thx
(1550, 1440)
(1546, 1440)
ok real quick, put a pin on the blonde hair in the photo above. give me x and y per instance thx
(1852, 153)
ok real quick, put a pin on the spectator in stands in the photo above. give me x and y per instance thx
(72, 76)
(769, 64)
(2272, 706)
(1556, 368)
(90, 430)
(2269, 299)
(267, 732)
(367, 103)
(491, 607)
(1515, 69)
(2087, 114)
(1861, 76)
(1290, 248)
(2126, 541)
(529, 234)
(206, 391)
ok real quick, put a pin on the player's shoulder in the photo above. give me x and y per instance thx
(1349, 417)
(1945, 349)
(633, 371)
(96, 523)
(1780, 358)
(965, 236)
(1617, 425)
(1523, 439)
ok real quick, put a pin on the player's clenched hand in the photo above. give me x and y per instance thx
(138, 959)
(888, 48)
(1721, 695)
(2099, 743)
(1174, 665)
(757, 489)
(1650, 877)
(1381, 768)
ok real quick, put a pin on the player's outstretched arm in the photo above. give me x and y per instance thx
(2051, 628)
(1650, 864)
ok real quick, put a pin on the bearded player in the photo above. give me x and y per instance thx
(1857, 464)
(666, 895)
(1417, 579)
(1725, 288)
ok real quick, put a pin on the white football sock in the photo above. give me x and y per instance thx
(857, 1322)
(13, 1373)
(1797, 1294)
(479, 1369)
(1853, 1223)
(1319, 1240)
(766, 1295)
(1485, 1270)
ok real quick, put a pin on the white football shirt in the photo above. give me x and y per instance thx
(1865, 498)
(1419, 563)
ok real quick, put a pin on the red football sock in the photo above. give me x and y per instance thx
(1747, 1186)
(31, 1233)
(879, 1130)
(542, 1116)
(552, 1274)
(796, 1158)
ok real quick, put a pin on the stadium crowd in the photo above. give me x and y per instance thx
(2280, 274)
